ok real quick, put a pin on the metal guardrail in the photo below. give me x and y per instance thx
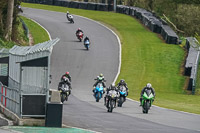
(192, 62)
(195, 69)
(25, 28)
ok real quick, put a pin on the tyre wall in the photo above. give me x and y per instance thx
(154, 23)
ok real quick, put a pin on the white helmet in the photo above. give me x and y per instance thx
(112, 86)
(149, 85)
(67, 11)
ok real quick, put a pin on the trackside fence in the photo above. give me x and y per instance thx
(10, 98)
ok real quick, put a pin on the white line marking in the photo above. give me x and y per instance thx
(80, 128)
(43, 28)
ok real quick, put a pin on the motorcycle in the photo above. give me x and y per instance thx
(147, 100)
(98, 92)
(122, 97)
(64, 92)
(111, 100)
(70, 18)
(80, 36)
(87, 44)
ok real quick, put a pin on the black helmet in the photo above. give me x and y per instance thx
(122, 81)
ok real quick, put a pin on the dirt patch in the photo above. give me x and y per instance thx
(31, 41)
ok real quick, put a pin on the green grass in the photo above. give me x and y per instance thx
(38, 37)
(145, 58)
(6, 44)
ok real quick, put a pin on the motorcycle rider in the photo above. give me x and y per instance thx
(67, 15)
(19, 8)
(111, 87)
(63, 81)
(79, 30)
(147, 87)
(101, 79)
(86, 38)
(67, 76)
(122, 82)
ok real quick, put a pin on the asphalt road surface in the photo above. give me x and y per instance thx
(81, 110)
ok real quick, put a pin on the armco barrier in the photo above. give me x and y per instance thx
(83, 5)
(192, 61)
(49, 2)
(65, 3)
(58, 2)
(74, 4)
(92, 6)
(102, 7)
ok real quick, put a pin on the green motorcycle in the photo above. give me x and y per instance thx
(147, 100)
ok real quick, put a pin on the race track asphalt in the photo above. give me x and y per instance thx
(81, 110)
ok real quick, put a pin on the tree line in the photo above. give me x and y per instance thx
(182, 13)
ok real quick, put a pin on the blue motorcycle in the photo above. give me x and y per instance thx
(87, 44)
(123, 95)
(98, 92)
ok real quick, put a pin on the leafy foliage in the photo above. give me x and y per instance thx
(183, 13)
(16, 37)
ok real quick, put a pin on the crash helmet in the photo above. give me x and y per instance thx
(79, 28)
(149, 85)
(112, 86)
(65, 78)
(67, 11)
(122, 81)
(67, 73)
(100, 75)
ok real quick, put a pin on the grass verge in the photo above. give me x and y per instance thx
(38, 37)
(145, 58)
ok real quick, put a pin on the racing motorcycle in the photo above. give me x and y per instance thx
(87, 44)
(111, 99)
(147, 100)
(64, 90)
(80, 36)
(123, 94)
(70, 18)
(98, 92)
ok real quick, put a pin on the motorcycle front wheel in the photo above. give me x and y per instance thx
(62, 98)
(97, 97)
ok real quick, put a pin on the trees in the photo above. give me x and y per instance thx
(9, 20)
(183, 13)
